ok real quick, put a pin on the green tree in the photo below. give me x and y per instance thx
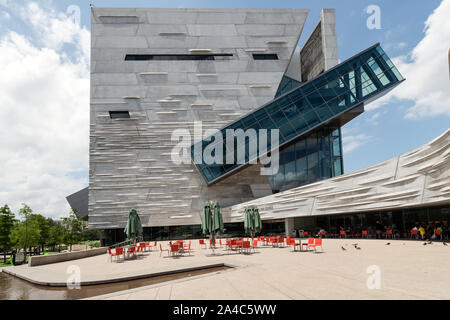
(25, 234)
(25, 212)
(6, 225)
(44, 227)
(74, 227)
(56, 235)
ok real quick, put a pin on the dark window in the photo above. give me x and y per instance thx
(145, 57)
(265, 56)
(119, 114)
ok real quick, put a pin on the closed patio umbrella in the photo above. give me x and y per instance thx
(248, 220)
(206, 219)
(217, 222)
(133, 228)
(257, 223)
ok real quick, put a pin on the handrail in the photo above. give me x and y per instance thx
(120, 244)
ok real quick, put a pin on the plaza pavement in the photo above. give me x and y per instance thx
(408, 270)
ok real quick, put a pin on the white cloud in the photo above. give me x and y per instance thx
(44, 114)
(4, 16)
(350, 143)
(426, 70)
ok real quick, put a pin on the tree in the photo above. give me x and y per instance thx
(25, 212)
(74, 227)
(6, 225)
(44, 227)
(56, 235)
(25, 234)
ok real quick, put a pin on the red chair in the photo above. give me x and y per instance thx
(309, 244)
(141, 247)
(255, 244)
(161, 250)
(131, 250)
(245, 245)
(202, 242)
(117, 253)
(235, 244)
(317, 243)
(174, 249)
(187, 247)
(342, 234)
(388, 233)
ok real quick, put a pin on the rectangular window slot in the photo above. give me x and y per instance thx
(119, 115)
(146, 57)
(265, 56)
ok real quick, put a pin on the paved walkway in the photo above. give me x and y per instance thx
(408, 270)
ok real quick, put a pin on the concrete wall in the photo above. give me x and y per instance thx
(320, 53)
(130, 159)
(60, 257)
(417, 178)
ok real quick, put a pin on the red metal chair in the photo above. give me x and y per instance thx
(187, 247)
(174, 249)
(245, 245)
(131, 250)
(317, 243)
(310, 241)
(141, 246)
(255, 244)
(202, 243)
(117, 253)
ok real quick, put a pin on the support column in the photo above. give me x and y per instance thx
(289, 227)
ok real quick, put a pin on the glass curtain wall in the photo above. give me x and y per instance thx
(303, 109)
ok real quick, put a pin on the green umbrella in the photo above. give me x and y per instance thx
(248, 220)
(217, 222)
(133, 228)
(206, 219)
(257, 220)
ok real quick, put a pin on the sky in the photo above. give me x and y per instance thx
(44, 86)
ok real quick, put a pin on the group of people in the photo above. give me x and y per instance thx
(428, 231)
(424, 231)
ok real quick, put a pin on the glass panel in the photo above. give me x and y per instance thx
(304, 106)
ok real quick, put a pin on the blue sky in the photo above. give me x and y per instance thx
(46, 56)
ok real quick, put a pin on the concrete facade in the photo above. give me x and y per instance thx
(130, 159)
(414, 179)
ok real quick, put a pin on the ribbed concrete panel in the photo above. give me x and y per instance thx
(130, 159)
(418, 178)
